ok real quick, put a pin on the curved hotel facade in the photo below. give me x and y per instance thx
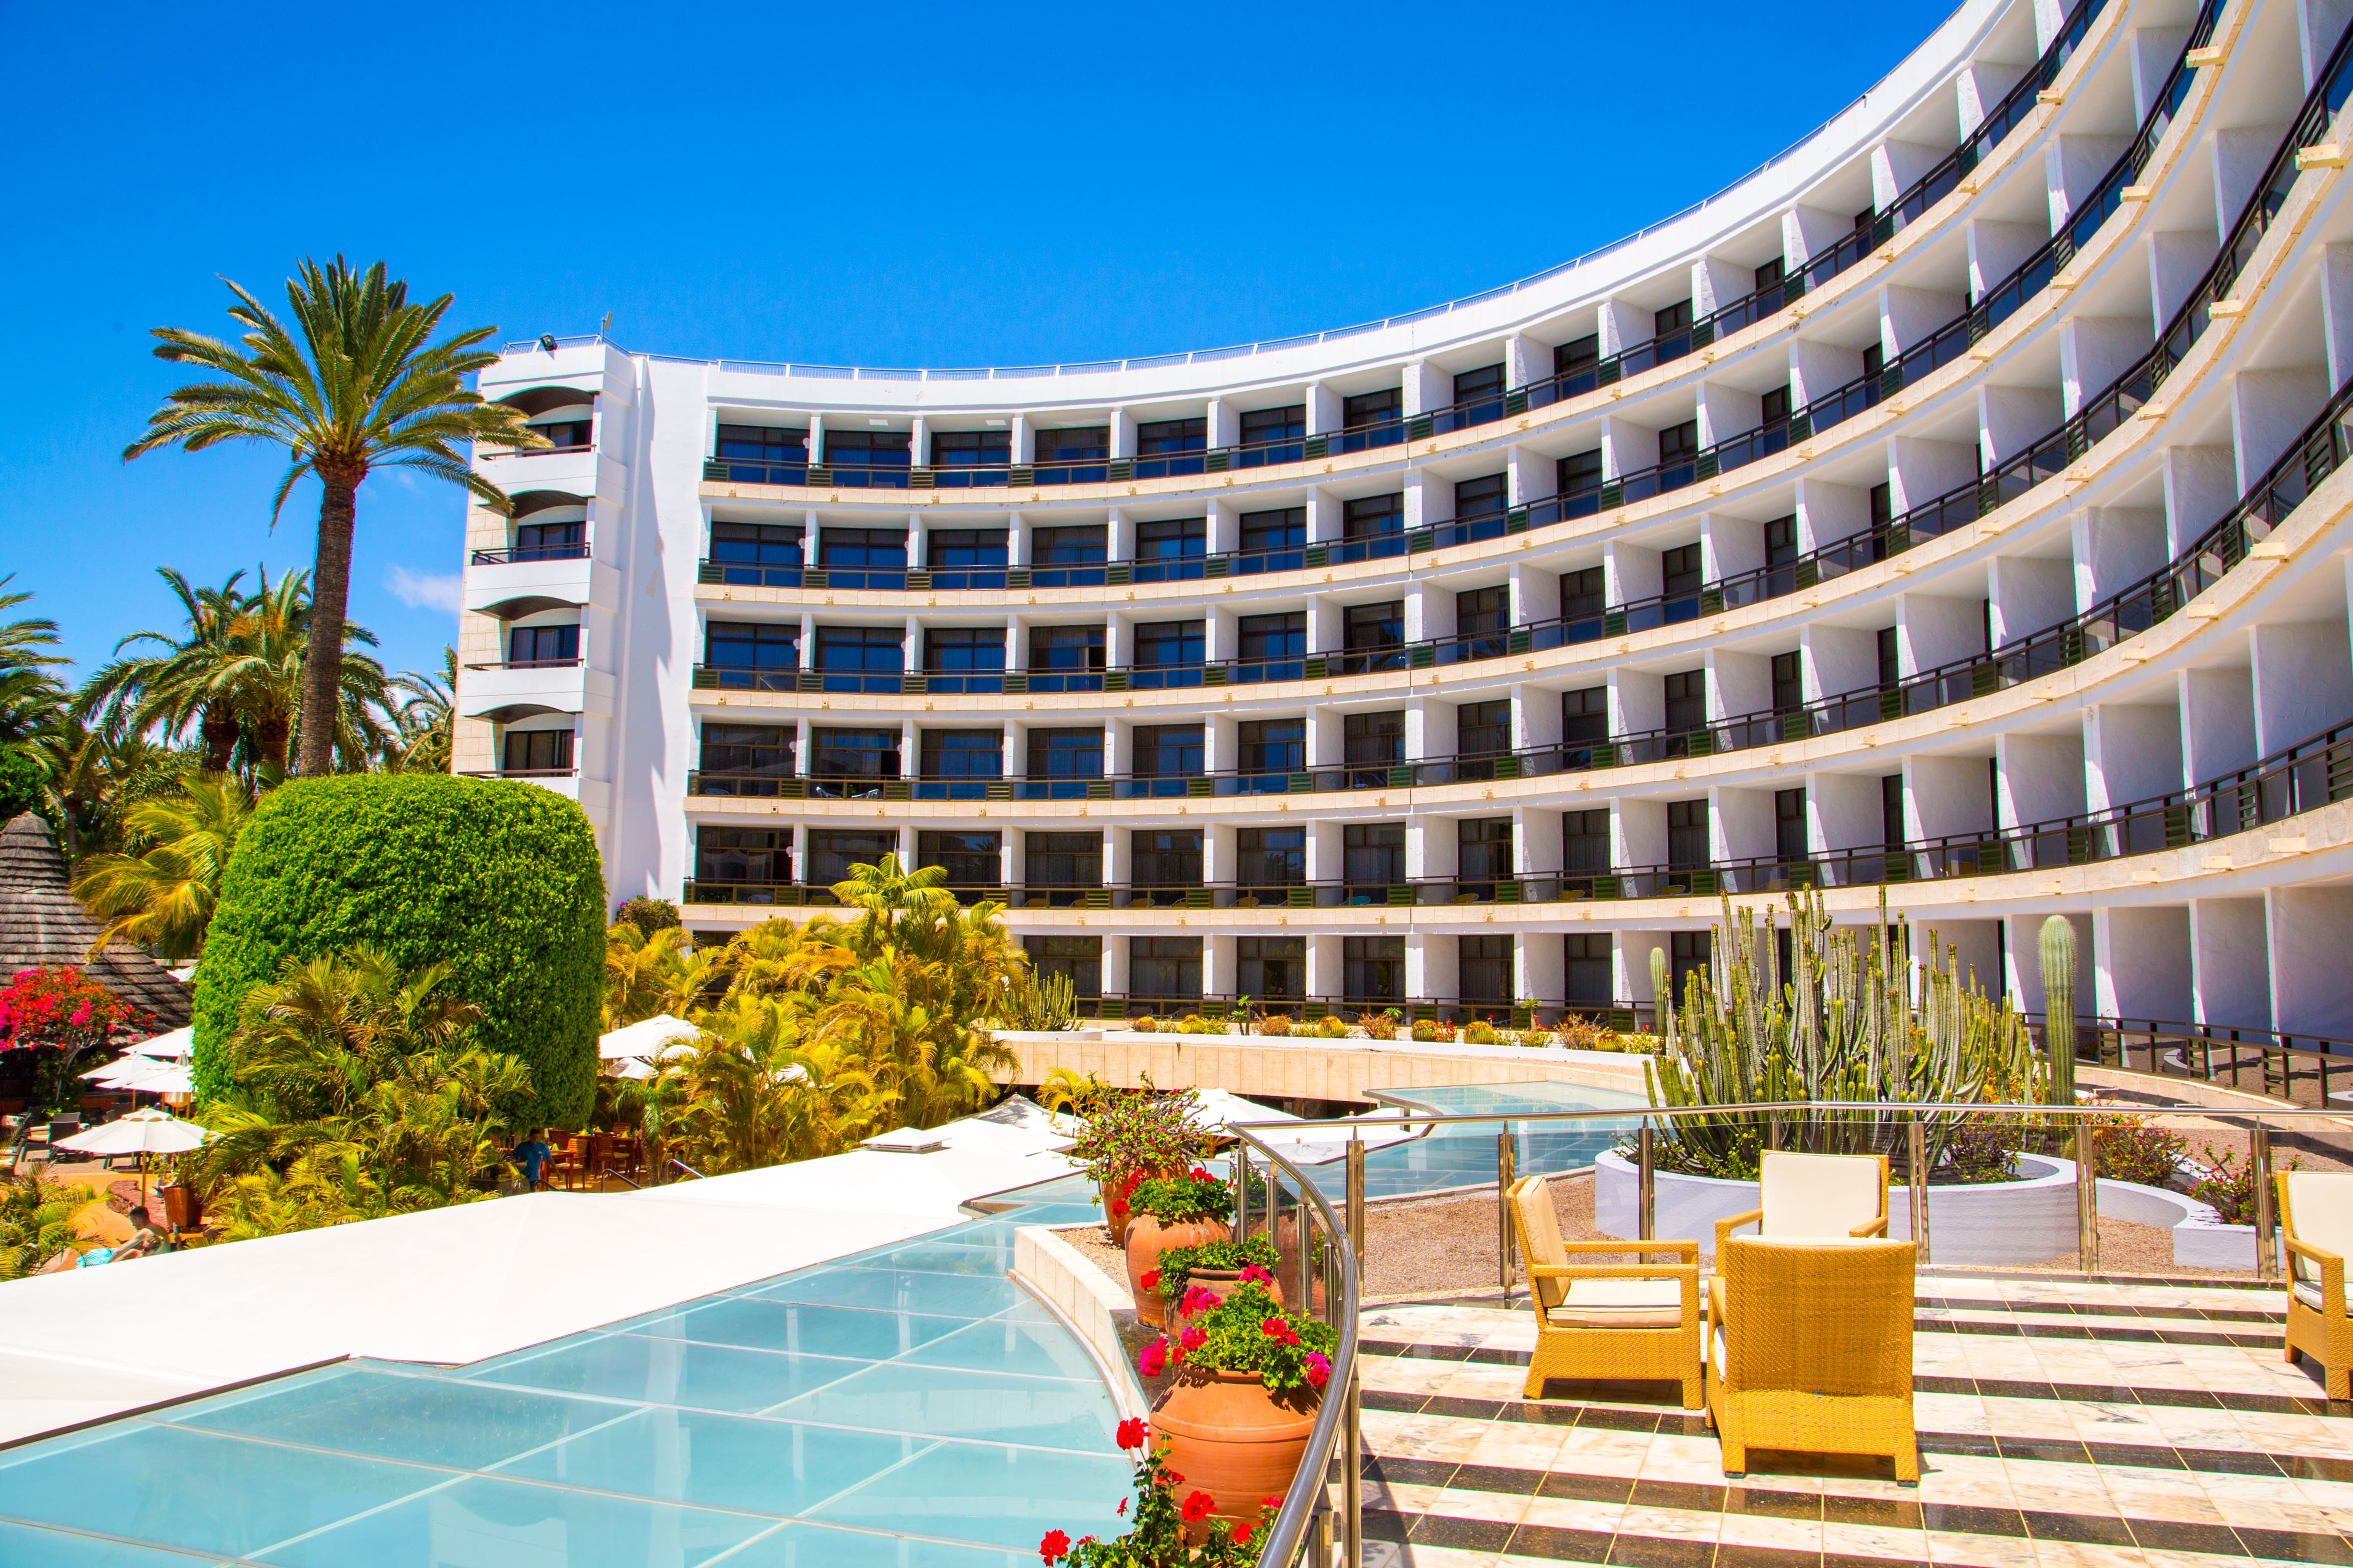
(1949, 511)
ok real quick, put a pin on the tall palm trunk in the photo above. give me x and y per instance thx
(220, 728)
(331, 582)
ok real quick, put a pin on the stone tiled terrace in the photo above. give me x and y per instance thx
(2062, 1423)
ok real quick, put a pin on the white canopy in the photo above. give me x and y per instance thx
(646, 1038)
(627, 1067)
(130, 1063)
(161, 1078)
(179, 1044)
(149, 1131)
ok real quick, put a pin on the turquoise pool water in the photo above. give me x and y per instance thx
(1463, 1155)
(909, 1408)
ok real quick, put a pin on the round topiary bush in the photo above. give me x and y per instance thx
(499, 880)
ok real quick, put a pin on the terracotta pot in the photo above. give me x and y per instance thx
(1226, 1435)
(1221, 1283)
(1286, 1250)
(1107, 1193)
(1147, 1238)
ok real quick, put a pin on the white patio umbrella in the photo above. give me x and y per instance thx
(143, 1133)
(179, 1044)
(130, 1063)
(163, 1078)
(627, 1067)
(646, 1038)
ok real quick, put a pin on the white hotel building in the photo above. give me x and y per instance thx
(1952, 509)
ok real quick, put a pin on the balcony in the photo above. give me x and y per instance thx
(508, 691)
(510, 582)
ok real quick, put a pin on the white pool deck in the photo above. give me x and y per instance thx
(452, 1286)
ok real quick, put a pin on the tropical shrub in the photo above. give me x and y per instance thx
(1139, 1129)
(1175, 1200)
(649, 915)
(1158, 1539)
(1274, 1025)
(498, 880)
(2125, 1150)
(36, 1223)
(61, 1011)
(163, 896)
(2228, 1184)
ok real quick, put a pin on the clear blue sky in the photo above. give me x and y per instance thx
(897, 185)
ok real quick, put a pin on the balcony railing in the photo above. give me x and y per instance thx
(513, 554)
(563, 773)
(572, 663)
(492, 453)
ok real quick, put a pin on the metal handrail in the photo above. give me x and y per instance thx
(519, 553)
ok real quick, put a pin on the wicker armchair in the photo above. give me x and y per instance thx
(2315, 1213)
(1621, 1321)
(1812, 1349)
(1814, 1197)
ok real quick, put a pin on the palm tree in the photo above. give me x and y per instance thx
(362, 388)
(421, 741)
(162, 896)
(176, 688)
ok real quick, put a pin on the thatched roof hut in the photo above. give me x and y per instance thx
(42, 925)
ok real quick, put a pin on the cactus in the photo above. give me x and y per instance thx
(1842, 1027)
(2058, 954)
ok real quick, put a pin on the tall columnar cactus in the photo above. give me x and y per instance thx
(1842, 1026)
(2059, 1006)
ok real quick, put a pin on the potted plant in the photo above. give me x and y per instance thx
(1236, 1416)
(1332, 1027)
(1167, 1533)
(1132, 1137)
(1190, 1210)
(1194, 1278)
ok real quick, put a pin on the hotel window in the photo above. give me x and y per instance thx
(1165, 967)
(1273, 434)
(1891, 660)
(1374, 740)
(1874, 364)
(747, 751)
(1368, 410)
(1584, 594)
(1770, 275)
(1271, 968)
(1372, 517)
(1165, 857)
(1066, 651)
(1482, 971)
(1373, 969)
(862, 549)
(867, 650)
(767, 446)
(1371, 627)
(832, 851)
(1270, 858)
(1479, 394)
(1586, 967)
(970, 859)
(1274, 638)
(754, 854)
(1679, 444)
(1584, 841)
(1773, 406)
(543, 645)
(536, 752)
(1482, 496)
(1484, 615)
(1891, 811)
(964, 650)
(1781, 554)
(1077, 545)
(1061, 859)
(763, 654)
(1272, 746)
(971, 448)
(1579, 473)
(1686, 694)
(1790, 825)
(1066, 753)
(1585, 716)
(1483, 850)
(1168, 751)
(551, 541)
(880, 450)
(1687, 845)
(1788, 684)
(1483, 728)
(1161, 645)
(1671, 330)
(1171, 438)
(1074, 445)
(963, 753)
(1679, 578)
(1078, 959)
(859, 755)
(1172, 538)
(1373, 853)
(1282, 528)
(964, 548)
(1579, 357)
(755, 544)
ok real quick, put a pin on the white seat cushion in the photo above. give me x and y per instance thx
(2320, 1211)
(1622, 1304)
(2309, 1292)
(1818, 1195)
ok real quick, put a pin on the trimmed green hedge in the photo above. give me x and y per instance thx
(499, 880)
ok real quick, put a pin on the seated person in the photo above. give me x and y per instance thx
(531, 1154)
(143, 1243)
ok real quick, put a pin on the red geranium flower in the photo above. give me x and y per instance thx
(1201, 1175)
(1151, 1280)
(1119, 1208)
(1278, 1330)
(1122, 1508)
(1154, 1360)
(1242, 1529)
(1194, 1338)
(1131, 1433)
(1199, 1506)
(1055, 1547)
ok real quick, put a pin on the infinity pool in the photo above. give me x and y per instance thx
(909, 1408)
(1464, 1155)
